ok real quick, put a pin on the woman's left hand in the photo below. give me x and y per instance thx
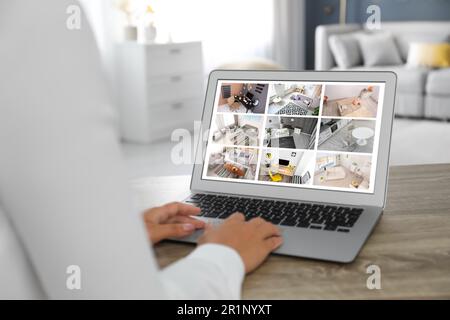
(172, 220)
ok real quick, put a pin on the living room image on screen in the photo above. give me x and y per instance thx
(290, 132)
(237, 129)
(349, 100)
(243, 97)
(296, 99)
(347, 171)
(349, 135)
(287, 166)
(232, 162)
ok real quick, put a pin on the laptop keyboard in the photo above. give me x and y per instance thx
(283, 213)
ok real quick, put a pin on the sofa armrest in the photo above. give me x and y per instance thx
(323, 57)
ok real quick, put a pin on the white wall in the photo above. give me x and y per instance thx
(221, 121)
(307, 163)
(362, 161)
(347, 91)
(275, 124)
(282, 154)
(255, 121)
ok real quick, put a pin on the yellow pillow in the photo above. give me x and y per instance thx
(434, 55)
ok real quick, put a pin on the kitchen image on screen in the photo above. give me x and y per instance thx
(243, 98)
(294, 99)
(237, 129)
(347, 171)
(232, 162)
(350, 100)
(287, 166)
(349, 135)
(290, 132)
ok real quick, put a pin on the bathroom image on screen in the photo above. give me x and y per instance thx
(243, 97)
(287, 166)
(349, 171)
(349, 135)
(237, 129)
(290, 132)
(232, 162)
(296, 99)
(353, 101)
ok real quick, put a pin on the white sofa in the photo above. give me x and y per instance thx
(421, 92)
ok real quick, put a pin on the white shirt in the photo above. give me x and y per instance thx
(63, 188)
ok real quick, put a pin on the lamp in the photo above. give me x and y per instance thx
(342, 11)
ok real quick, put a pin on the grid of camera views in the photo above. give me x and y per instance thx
(319, 135)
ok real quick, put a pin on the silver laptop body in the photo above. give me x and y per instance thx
(347, 117)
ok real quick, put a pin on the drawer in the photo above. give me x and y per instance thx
(173, 58)
(176, 114)
(165, 88)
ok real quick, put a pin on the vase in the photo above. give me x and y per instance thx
(148, 34)
(130, 33)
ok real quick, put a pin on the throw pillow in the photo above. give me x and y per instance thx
(345, 49)
(432, 55)
(379, 49)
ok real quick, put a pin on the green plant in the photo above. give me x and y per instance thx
(316, 111)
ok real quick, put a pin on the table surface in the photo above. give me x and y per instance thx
(411, 244)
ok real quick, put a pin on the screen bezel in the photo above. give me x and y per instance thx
(377, 198)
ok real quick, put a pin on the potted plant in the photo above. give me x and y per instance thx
(130, 31)
(147, 23)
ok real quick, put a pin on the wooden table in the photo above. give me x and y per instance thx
(411, 244)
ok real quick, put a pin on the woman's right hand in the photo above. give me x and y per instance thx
(253, 239)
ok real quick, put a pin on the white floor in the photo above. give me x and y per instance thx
(414, 142)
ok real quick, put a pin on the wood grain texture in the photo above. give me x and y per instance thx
(411, 245)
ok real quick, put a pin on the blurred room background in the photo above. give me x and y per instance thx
(157, 55)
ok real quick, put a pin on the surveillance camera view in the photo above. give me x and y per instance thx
(243, 98)
(232, 162)
(237, 129)
(294, 99)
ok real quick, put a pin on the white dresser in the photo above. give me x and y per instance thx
(159, 89)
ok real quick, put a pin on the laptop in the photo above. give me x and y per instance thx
(326, 198)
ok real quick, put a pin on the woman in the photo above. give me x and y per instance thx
(62, 181)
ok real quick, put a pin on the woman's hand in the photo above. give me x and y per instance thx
(253, 239)
(172, 220)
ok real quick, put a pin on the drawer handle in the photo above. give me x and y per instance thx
(175, 51)
(175, 78)
(177, 105)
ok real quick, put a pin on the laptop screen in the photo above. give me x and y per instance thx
(319, 135)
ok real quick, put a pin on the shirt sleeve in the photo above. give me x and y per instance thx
(219, 266)
(62, 179)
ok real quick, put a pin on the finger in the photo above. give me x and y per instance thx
(179, 208)
(237, 216)
(257, 221)
(149, 215)
(165, 231)
(273, 243)
(199, 224)
(172, 209)
(267, 230)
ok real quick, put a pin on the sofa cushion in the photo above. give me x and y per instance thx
(379, 49)
(417, 31)
(439, 82)
(404, 41)
(410, 80)
(345, 49)
(433, 55)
